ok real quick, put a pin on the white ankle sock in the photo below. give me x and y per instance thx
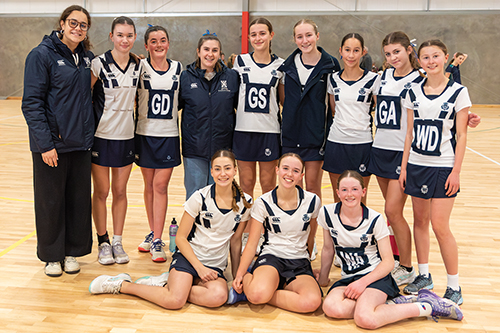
(453, 282)
(424, 308)
(423, 269)
(117, 239)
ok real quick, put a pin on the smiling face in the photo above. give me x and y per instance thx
(351, 52)
(305, 37)
(432, 59)
(223, 171)
(260, 37)
(290, 172)
(350, 192)
(157, 44)
(460, 59)
(209, 54)
(397, 56)
(123, 37)
(73, 36)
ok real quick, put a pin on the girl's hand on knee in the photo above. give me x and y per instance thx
(206, 274)
(452, 184)
(354, 290)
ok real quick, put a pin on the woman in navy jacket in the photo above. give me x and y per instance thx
(58, 110)
(306, 117)
(208, 96)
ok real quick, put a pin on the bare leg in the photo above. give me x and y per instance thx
(371, 312)
(302, 295)
(248, 176)
(440, 219)
(267, 175)
(148, 176)
(172, 296)
(100, 178)
(119, 181)
(313, 177)
(336, 305)
(160, 202)
(334, 177)
(421, 219)
(211, 294)
(260, 286)
(394, 206)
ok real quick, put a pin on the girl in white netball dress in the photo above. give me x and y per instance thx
(360, 238)
(115, 78)
(282, 274)
(157, 146)
(351, 92)
(210, 229)
(430, 171)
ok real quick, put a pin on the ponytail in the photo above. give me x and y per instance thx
(237, 189)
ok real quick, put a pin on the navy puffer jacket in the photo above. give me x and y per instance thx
(208, 115)
(57, 99)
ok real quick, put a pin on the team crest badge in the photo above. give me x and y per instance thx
(223, 85)
(424, 189)
(237, 218)
(362, 91)
(363, 238)
(274, 72)
(87, 62)
(445, 106)
(174, 77)
(398, 170)
(407, 85)
(267, 152)
(362, 168)
(334, 233)
(306, 218)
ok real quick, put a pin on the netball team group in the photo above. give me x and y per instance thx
(295, 118)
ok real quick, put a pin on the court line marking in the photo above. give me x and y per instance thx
(13, 143)
(486, 157)
(20, 115)
(16, 244)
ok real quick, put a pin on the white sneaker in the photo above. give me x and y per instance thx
(71, 266)
(158, 280)
(53, 269)
(105, 256)
(336, 261)
(157, 252)
(402, 276)
(145, 246)
(107, 284)
(119, 253)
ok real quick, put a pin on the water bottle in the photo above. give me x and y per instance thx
(173, 232)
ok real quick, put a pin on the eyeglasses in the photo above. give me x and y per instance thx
(74, 24)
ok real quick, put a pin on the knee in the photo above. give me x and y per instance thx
(442, 232)
(393, 215)
(119, 194)
(333, 309)
(365, 321)
(218, 298)
(310, 303)
(175, 302)
(258, 295)
(100, 193)
(161, 189)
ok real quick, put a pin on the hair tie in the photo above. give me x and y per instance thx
(208, 33)
(150, 25)
(414, 46)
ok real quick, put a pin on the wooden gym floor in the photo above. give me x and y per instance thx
(31, 301)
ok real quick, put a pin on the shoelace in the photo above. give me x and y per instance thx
(112, 287)
(118, 247)
(157, 245)
(149, 237)
(420, 281)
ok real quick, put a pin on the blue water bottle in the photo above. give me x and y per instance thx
(173, 232)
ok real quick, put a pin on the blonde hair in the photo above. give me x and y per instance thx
(306, 21)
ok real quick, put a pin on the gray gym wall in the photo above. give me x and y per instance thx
(474, 33)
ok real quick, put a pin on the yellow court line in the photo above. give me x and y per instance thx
(13, 199)
(13, 143)
(16, 244)
(326, 186)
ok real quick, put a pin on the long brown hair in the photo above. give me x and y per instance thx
(399, 37)
(64, 16)
(236, 188)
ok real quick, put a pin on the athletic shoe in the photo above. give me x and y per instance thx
(71, 266)
(315, 251)
(105, 256)
(402, 300)
(234, 297)
(119, 253)
(157, 252)
(107, 284)
(158, 280)
(336, 261)
(420, 282)
(454, 295)
(53, 269)
(441, 307)
(145, 246)
(402, 276)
